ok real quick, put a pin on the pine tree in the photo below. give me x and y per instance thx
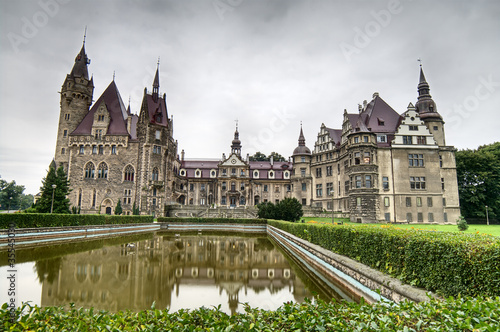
(118, 208)
(61, 202)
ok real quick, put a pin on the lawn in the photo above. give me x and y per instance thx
(481, 229)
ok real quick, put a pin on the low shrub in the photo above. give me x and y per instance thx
(35, 220)
(213, 220)
(461, 314)
(447, 263)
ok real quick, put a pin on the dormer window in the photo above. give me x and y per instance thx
(100, 118)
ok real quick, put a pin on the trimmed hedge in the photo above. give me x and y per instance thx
(450, 264)
(461, 314)
(34, 220)
(213, 220)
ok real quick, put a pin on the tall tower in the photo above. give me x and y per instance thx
(426, 107)
(76, 98)
(236, 143)
(301, 175)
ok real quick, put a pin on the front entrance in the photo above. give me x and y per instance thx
(108, 210)
(232, 201)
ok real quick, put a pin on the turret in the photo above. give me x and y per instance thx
(236, 143)
(426, 107)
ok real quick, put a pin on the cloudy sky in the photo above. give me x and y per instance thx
(269, 64)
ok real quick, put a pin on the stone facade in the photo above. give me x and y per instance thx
(381, 166)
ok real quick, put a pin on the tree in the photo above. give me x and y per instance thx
(135, 210)
(258, 156)
(118, 208)
(267, 210)
(61, 202)
(290, 209)
(478, 175)
(11, 195)
(276, 157)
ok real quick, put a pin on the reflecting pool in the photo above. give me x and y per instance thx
(174, 271)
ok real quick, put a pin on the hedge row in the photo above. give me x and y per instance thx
(450, 264)
(213, 220)
(32, 220)
(461, 314)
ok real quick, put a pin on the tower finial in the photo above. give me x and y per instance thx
(113, 75)
(420, 61)
(158, 64)
(84, 35)
(236, 124)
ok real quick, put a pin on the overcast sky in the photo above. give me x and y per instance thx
(269, 64)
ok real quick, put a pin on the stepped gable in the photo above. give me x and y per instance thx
(117, 112)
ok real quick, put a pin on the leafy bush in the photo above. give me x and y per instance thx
(462, 224)
(213, 220)
(288, 209)
(447, 263)
(461, 314)
(34, 220)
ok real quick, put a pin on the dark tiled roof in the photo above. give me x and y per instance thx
(80, 66)
(335, 135)
(157, 107)
(381, 118)
(118, 114)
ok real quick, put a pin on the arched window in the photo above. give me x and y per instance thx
(89, 170)
(102, 171)
(154, 175)
(128, 175)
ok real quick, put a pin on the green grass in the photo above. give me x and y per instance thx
(480, 229)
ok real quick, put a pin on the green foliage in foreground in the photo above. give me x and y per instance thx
(33, 220)
(288, 209)
(212, 220)
(461, 314)
(450, 264)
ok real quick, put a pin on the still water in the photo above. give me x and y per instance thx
(187, 271)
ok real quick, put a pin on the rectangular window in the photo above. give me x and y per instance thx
(387, 216)
(346, 187)
(416, 160)
(358, 201)
(431, 217)
(303, 172)
(368, 181)
(242, 187)
(442, 183)
(224, 172)
(445, 217)
(82, 149)
(191, 187)
(158, 134)
(409, 217)
(242, 172)
(101, 149)
(366, 157)
(156, 149)
(66, 116)
(365, 139)
(358, 181)
(440, 161)
(420, 217)
(65, 133)
(233, 171)
(329, 188)
(417, 182)
(422, 140)
(328, 170)
(223, 200)
(318, 172)
(223, 186)
(319, 190)
(202, 186)
(304, 201)
(429, 201)
(329, 205)
(385, 182)
(113, 149)
(381, 138)
(419, 201)
(444, 201)
(276, 189)
(304, 186)
(413, 128)
(289, 187)
(98, 134)
(386, 201)
(94, 149)
(408, 201)
(63, 151)
(356, 139)
(407, 140)
(303, 159)
(265, 188)
(357, 158)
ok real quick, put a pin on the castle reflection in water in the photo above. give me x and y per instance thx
(133, 275)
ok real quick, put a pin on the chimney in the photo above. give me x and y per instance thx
(182, 155)
(364, 104)
(360, 108)
(248, 157)
(375, 94)
(271, 160)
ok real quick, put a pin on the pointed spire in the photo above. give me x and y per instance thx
(425, 105)
(301, 149)
(156, 81)
(236, 143)
(302, 139)
(80, 66)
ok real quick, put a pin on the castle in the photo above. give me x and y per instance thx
(381, 166)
